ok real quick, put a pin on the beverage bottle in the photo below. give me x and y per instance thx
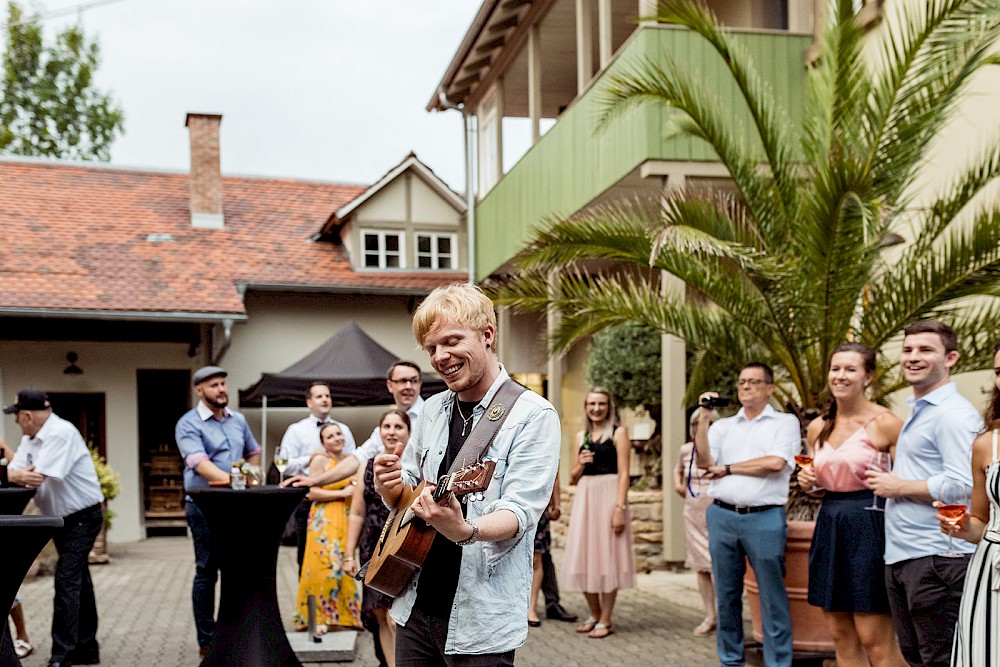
(236, 478)
(4, 483)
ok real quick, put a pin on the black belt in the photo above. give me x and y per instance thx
(739, 509)
(79, 513)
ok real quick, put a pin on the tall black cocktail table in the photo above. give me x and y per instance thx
(23, 538)
(246, 529)
(13, 499)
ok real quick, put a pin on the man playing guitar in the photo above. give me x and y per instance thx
(468, 604)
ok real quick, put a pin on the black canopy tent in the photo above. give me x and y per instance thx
(351, 362)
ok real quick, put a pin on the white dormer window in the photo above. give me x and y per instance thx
(436, 251)
(382, 250)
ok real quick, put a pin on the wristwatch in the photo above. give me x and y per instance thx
(472, 538)
(728, 471)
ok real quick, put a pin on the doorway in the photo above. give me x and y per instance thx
(163, 396)
(86, 412)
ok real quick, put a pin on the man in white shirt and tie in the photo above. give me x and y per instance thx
(403, 382)
(301, 441)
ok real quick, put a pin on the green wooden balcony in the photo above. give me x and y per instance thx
(572, 164)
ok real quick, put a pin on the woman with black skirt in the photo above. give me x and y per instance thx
(846, 563)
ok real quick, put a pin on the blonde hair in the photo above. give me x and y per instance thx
(612, 418)
(462, 304)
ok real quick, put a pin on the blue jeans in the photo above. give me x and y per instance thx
(74, 614)
(760, 537)
(206, 573)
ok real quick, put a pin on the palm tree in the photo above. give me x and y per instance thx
(794, 261)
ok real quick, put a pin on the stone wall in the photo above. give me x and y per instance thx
(646, 511)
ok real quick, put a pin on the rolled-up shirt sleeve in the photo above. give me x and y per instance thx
(787, 440)
(190, 444)
(526, 485)
(250, 446)
(953, 434)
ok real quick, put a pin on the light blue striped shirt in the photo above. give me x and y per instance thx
(935, 444)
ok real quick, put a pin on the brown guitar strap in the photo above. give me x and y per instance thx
(489, 424)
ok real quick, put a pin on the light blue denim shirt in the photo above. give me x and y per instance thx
(935, 444)
(490, 611)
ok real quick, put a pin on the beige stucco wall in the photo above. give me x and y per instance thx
(283, 328)
(109, 368)
(409, 204)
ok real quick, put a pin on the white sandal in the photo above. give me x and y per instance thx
(22, 648)
(587, 625)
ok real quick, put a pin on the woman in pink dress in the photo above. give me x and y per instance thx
(846, 567)
(598, 558)
(691, 483)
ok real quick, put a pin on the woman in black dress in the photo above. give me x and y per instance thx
(368, 516)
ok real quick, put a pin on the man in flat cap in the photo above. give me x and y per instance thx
(210, 438)
(54, 459)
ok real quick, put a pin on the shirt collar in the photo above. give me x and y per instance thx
(206, 413)
(936, 397)
(44, 430)
(450, 396)
(767, 413)
(414, 410)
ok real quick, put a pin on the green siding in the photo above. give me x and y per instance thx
(572, 164)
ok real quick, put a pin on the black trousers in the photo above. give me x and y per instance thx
(924, 597)
(550, 586)
(420, 643)
(74, 614)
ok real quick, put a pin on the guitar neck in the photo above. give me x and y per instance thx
(441, 491)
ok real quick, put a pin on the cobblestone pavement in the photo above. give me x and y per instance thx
(144, 602)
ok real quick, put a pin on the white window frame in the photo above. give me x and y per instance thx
(433, 254)
(381, 234)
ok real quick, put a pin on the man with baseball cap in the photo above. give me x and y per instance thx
(210, 438)
(54, 459)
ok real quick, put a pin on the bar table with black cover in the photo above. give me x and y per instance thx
(23, 538)
(246, 527)
(13, 499)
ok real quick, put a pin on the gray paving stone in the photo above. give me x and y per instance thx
(144, 603)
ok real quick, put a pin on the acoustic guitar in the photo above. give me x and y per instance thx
(406, 539)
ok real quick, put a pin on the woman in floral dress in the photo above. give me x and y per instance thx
(338, 597)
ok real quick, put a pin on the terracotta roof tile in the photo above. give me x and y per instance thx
(83, 238)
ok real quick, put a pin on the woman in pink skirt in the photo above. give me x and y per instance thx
(598, 558)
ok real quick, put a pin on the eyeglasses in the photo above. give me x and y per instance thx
(750, 383)
(405, 381)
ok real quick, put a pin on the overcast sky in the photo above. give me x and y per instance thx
(321, 89)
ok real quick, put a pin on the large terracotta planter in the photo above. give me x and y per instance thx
(809, 631)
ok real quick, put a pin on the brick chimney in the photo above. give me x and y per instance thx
(205, 179)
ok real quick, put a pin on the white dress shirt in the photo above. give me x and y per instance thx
(59, 452)
(737, 439)
(301, 441)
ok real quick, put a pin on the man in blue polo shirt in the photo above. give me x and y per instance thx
(210, 437)
(935, 445)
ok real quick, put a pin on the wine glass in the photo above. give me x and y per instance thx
(805, 461)
(881, 462)
(280, 463)
(955, 498)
